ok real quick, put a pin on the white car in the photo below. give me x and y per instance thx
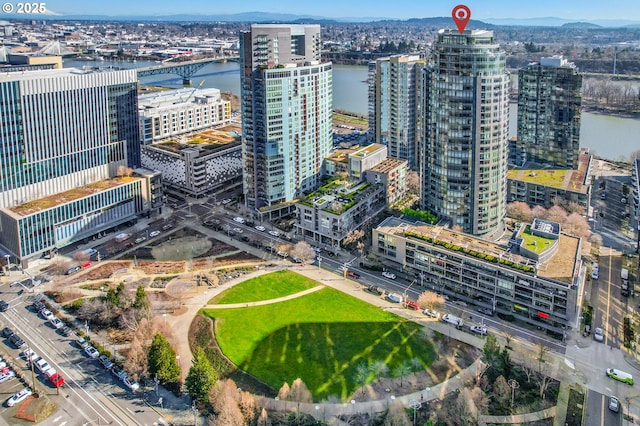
(47, 314)
(139, 240)
(92, 352)
(56, 323)
(598, 335)
(238, 219)
(479, 329)
(389, 275)
(19, 397)
(431, 313)
(274, 233)
(42, 365)
(261, 228)
(154, 234)
(134, 386)
(595, 274)
(394, 297)
(30, 355)
(237, 230)
(226, 201)
(7, 376)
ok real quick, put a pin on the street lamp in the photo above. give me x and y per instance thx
(416, 406)
(195, 413)
(514, 385)
(407, 289)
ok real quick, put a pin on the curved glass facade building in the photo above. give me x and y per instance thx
(464, 151)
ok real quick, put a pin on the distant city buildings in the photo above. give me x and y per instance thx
(463, 158)
(395, 104)
(70, 138)
(549, 104)
(177, 112)
(286, 105)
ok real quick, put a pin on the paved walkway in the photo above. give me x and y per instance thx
(264, 302)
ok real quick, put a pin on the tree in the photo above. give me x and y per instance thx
(303, 251)
(225, 400)
(162, 360)
(264, 419)
(491, 350)
(538, 212)
(124, 171)
(508, 338)
(557, 214)
(141, 301)
(505, 364)
(519, 210)
(416, 364)
(248, 407)
(577, 225)
(201, 377)
(402, 370)
(81, 256)
(361, 375)
(412, 180)
(379, 368)
(299, 393)
(136, 361)
(502, 392)
(541, 354)
(397, 416)
(430, 300)
(283, 392)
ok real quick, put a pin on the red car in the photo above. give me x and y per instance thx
(56, 380)
(412, 305)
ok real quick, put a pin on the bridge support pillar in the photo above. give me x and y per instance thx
(186, 81)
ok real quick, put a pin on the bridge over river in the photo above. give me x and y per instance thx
(185, 69)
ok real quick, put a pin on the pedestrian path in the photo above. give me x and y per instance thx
(264, 302)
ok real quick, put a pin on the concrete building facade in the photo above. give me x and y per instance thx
(549, 105)
(463, 155)
(394, 105)
(286, 102)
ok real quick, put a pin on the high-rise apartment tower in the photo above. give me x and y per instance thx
(394, 105)
(463, 157)
(549, 102)
(286, 105)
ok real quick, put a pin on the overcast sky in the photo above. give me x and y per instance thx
(400, 9)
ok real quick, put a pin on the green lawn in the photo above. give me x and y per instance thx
(535, 243)
(320, 337)
(265, 287)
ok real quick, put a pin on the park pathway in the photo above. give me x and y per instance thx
(264, 302)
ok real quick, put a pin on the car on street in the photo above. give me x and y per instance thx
(42, 365)
(603, 195)
(7, 332)
(431, 313)
(486, 311)
(375, 290)
(10, 374)
(283, 254)
(594, 274)
(92, 352)
(389, 275)
(394, 297)
(4, 306)
(261, 228)
(30, 355)
(139, 240)
(38, 306)
(72, 270)
(274, 233)
(614, 404)
(118, 372)
(16, 341)
(82, 342)
(47, 314)
(154, 234)
(237, 230)
(167, 227)
(56, 323)
(412, 305)
(238, 219)
(105, 361)
(19, 397)
(134, 386)
(598, 335)
(226, 201)
(479, 329)
(65, 331)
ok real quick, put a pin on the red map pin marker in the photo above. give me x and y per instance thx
(461, 15)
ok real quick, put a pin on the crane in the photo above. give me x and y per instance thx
(191, 94)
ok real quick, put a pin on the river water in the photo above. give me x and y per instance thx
(610, 137)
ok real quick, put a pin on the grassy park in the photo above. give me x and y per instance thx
(266, 287)
(321, 337)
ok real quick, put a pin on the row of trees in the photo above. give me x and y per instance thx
(572, 223)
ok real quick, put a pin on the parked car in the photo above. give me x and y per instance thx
(56, 323)
(598, 335)
(65, 331)
(8, 375)
(56, 380)
(479, 329)
(118, 372)
(389, 275)
(105, 361)
(73, 270)
(352, 274)
(134, 386)
(431, 313)
(92, 352)
(42, 365)
(82, 342)
(375, 290)
(614, 404)
(16, 341)
(237, 230)
(30, 355)
(261, 228)
(594, 274)
(412, 305)
(154, 234)
(394, 297)
(38, 306)
(139, 240)
(47, 314)
(4, 306)
(19, 397)
(7, 332)
(238, 219)
(274, 234)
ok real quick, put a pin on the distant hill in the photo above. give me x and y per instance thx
(581, 25)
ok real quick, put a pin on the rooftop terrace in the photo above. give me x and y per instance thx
(211, 140)
(567, 180)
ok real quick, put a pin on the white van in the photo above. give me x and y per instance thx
(453, 320)
(394, 297)
(620, 375)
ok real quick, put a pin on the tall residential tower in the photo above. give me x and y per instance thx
(394, 105)
(286, 105)
(549, 102)
(463, 157)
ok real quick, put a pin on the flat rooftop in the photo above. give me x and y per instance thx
(341, 155)
(210, 140)
(560, 267)
(388, 165)
(567, 180)
(45, 203)
(61, 72)
(368, 150)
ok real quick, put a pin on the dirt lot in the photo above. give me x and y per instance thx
(100, 272)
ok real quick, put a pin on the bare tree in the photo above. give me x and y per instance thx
(248, 407)
(541, 355)
(59, 266)
(136, 362)
(178, 290)
(81, 256)
(519, 210)
(528, 370)
(596, 240)
(502, 391)
(224, 398)
(283, 392)
(124, 171)
(396, 416)
(538, 212)
(543, 383)
(413, 183)
(577, 225)
(557, 214)
(128, 320)
(95, 311)
(574, 207)
(303, 251)
(264, 419)
(431, 300)
(508, 338)
(353, 237)
(299, 392)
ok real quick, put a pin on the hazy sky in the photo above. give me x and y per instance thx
(401, 9)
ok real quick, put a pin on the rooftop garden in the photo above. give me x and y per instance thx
(551, 178)
(336, 196)
(421, 215)
(534, 243)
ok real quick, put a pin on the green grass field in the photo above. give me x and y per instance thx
(320, 337)
(265, 287)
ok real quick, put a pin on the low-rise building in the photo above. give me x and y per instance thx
(366, 158)
(43, 225)
(177, 112)
(198, 165)
(535, 277)
(392, 174)
(545, 187)
(326, 216)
